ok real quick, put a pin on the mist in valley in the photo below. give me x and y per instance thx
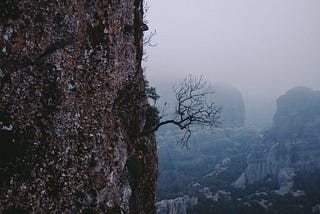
(261, 48)
(263, 62)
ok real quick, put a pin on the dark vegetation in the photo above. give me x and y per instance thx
(310, 183)
(180, 167)
(247, 201)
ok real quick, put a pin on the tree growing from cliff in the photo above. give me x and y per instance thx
(193, 108)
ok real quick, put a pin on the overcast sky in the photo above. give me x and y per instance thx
(259, 46)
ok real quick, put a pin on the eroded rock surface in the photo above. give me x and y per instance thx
(177, 205)
(72, 107)
(298, 115)
(292, 144)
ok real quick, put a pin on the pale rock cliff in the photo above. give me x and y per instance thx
(297, 115)
(177, 205)
(292, 144)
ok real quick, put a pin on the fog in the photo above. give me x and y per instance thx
(263, 48)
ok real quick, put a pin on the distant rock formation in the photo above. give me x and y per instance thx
(298, 115)
(231, 101)
(292, 144)
(177, 205)
(205, 156)
(264, 161)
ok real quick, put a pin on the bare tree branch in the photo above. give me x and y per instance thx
(194, 107)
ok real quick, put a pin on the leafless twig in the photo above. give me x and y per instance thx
(194, 107)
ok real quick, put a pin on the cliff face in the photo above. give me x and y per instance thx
(292, 144)
(267, 161)
(72, 105)
(177, 205)
(298, 115)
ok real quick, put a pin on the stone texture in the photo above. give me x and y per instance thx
(298, 115)
(292, 144)
(177, 205)
(72, 107)
(264, 161)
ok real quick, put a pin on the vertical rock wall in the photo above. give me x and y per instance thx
(72, 105)
(292, 145)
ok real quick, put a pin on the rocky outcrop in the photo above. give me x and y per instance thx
(177, 205)
(206, 155)
(231, 101)
(292, 144)
(263, 162)
(316, 208)
(298, 115)
(72, 107)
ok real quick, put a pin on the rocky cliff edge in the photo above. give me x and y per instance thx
(72, 107)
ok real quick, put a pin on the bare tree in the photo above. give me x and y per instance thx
(194, 108)
(147, 38)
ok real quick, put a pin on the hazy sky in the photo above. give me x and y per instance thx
(259, 46)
